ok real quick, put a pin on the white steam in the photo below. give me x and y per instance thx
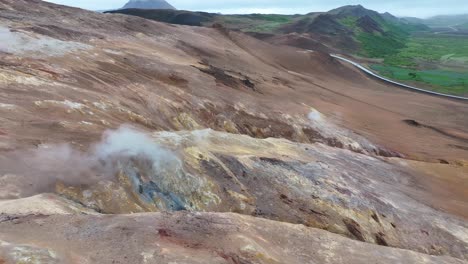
(27, 172)
(127, 142)
(347, 138)
(315, 115)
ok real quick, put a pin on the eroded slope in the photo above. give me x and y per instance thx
(301, 139)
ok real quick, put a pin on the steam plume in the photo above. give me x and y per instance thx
(27, 172)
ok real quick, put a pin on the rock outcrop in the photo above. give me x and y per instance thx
(361, 197)
(185, 238)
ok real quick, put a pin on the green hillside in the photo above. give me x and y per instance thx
(375, 35)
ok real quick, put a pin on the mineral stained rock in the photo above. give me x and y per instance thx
(186, 238)
(367, 198)
(245, 152)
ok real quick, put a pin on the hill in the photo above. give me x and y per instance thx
(358, 30)
(446, 20)
(148, 4)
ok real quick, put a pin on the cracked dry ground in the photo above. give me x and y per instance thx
(278, 155)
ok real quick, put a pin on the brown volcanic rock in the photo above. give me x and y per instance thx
(324, 28)
(67, 75)
(325, 24)
(125, 69)
(185, 238)
(354, 195)
(303, 41)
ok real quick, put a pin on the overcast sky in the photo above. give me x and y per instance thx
(416, 8)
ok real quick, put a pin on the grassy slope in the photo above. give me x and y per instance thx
(394, 38)
(438, 80)
(376, 44)
(262, 23)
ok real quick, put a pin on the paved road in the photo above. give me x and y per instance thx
(450, 29)
(364, 69)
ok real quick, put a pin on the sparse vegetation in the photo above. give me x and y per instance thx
(263, 23)
(349, 21)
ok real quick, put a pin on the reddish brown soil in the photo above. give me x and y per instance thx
(157, 71)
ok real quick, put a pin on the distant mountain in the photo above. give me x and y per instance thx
(446, 20)
(442, 21)
(353, 10)
(415, 20)
(148, 4)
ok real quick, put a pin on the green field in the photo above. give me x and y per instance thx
(438, 80)
(440, 61)
(431, 48)
(413, 54)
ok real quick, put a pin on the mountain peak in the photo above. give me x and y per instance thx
(148, 4)
(389, 17)
(352, 10)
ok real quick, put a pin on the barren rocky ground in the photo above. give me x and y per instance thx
(124, 140)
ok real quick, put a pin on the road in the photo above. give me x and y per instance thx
(369, 72)
(450, 29)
